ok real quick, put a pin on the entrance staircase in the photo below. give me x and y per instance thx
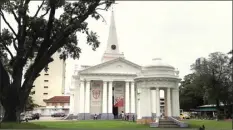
(166, 123)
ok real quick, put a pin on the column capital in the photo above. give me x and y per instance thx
(88, 80)
(157, 89)
(127, 81)
(132, 82)
(82, 81)
(105, 81)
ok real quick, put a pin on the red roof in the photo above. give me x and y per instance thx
(58, 99)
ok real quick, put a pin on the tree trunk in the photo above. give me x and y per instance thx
(11, 114)
(11, 104)
(217, 109)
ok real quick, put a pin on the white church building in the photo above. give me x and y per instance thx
(117, 85)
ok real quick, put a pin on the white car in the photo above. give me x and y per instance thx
(25, 117)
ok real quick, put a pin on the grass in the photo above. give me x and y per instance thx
(73, 124)
(91, 124)
(210, 124)
(117, 124)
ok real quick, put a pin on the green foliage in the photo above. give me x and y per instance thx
(37, 38)
(191, 92)
(211, 83)
(231, 53)
(216, 75)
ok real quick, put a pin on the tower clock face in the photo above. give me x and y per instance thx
(113, 47)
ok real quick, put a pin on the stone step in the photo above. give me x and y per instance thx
(168, 126)
(167, 123)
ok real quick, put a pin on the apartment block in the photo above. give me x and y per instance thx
(50, 83)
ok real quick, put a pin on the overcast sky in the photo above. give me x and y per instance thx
(177, 31)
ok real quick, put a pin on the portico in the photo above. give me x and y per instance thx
(106, 95)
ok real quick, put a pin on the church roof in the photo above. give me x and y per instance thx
(109, 62)
(158, 62)
(58, 99)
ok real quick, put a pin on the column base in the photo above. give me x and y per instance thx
(145, 120)
(153, 116)
(106, 116)
(131, 116)
(84, 116)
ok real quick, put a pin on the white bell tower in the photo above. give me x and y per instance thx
(112, 51)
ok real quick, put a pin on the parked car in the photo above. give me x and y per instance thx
(58, 115)
(184, 115)
(36, 116)
(25, 117)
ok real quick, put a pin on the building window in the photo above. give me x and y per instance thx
(46, 86)
(45, 93)
(46, 80)
(46, 74)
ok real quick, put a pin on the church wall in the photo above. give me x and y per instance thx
(145, 106)
(76, 98)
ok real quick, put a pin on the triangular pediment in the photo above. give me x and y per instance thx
(116, 66)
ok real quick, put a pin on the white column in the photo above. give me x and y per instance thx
(71, 106)
(132, 98)
(87, 97)
(178, 101)
(169, 111)
(175, 103)
(138, 104)
(127, 97)
(157, 102)
(104, 102)
(81, 98)
(153, 101)
(110, 97)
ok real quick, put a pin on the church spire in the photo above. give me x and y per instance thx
(112, 51)
(112, 37)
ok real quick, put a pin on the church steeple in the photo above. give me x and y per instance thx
(112, 51)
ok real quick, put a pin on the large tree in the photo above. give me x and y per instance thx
(215, 73)
(37, 37)
(191, 92)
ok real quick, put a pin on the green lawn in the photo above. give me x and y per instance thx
(210, 124)
(75, 124)
(117, 124)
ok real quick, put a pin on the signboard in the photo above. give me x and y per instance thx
(96, 97)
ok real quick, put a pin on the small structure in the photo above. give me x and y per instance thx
(56, 104)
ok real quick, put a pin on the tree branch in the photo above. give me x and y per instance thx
(12, 11)
(7, 49)
(47, 11)
(47, 34)
(39, 7)
(14, 44)
(3, 16)
(59, 42)
(101, 17)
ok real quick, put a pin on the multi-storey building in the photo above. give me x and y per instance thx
(50, 83)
